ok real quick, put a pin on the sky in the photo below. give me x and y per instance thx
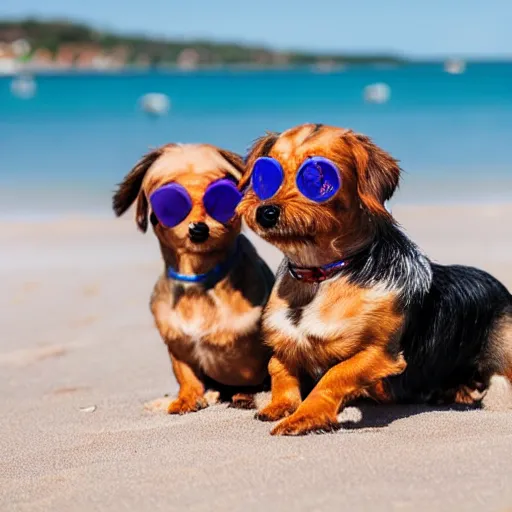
(418, 28)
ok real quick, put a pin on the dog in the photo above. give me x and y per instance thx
(357, 309)
(207, 304)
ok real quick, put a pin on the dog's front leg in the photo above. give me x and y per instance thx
(191, 394)
(285, 388)
(318, 412)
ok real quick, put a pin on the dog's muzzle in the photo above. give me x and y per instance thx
(267, 216)
(198, 232)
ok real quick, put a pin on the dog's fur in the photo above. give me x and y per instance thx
(213, 333)
(391, 325)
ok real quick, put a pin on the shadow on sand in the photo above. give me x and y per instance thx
(377, 416)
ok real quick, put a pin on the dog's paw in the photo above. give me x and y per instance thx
(212, 397)
(467, 395)
(276, 411)
(186, 404)
(304, 423)
(243, 401)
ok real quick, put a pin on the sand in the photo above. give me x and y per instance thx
(80, 358)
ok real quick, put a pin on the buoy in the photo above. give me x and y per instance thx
(23, 86)
(155, 103)
(377, 93)
(455, 66)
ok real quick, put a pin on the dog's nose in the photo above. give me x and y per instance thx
(198, 232)
(268, 215)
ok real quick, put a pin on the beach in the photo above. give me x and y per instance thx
(83, 373)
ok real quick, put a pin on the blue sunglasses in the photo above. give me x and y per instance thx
(318, 178)
(172, 203)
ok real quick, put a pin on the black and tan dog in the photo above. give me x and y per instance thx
(357, 308)
(207, 304)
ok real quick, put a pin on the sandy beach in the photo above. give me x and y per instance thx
(80, 360)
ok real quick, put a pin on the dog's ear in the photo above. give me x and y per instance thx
(260, 147)
(130, 189)
(378, 174)
(235, 160)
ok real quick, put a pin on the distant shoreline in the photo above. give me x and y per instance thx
(135, 70)
(65, 43)
(68, 47)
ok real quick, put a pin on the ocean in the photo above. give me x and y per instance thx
(64, 149)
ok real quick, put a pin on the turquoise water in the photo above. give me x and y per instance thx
(65, 148)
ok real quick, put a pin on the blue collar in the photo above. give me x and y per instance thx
(213, 276)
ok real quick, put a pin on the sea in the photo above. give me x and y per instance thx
(64, 147)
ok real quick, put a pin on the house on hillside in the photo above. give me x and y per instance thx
(42, 58)
(188, 59)
(65, 56)
(8, 59)
(119, 56)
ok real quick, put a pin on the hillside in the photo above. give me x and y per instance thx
(48, 39)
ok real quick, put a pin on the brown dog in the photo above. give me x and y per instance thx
(355, 298)
(207, 305)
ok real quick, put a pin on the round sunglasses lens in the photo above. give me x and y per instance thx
(171, 204)
(267, 177)
(318, 179)
(221, 199)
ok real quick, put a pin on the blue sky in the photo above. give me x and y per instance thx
(414, 27)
